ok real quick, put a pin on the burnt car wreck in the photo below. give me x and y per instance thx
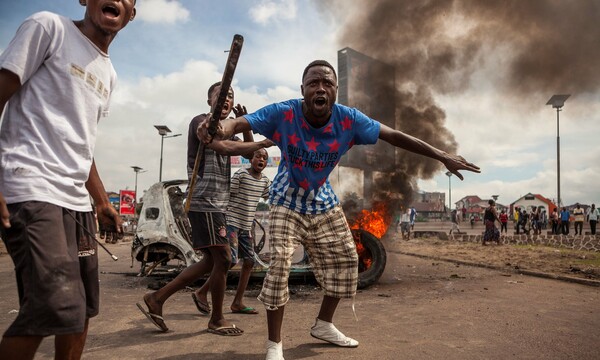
(163, 239)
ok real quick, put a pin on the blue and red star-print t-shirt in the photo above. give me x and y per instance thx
(308, 154)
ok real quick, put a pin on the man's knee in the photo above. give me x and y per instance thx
(221, 257)
(248, 263)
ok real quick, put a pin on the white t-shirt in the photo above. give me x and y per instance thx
(49, 126)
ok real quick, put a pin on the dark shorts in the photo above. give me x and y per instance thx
(241, 242)
(208, 229)
(58, 288)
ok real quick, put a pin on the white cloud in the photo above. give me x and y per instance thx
(273, 10)
(173, 100)
(162, 11)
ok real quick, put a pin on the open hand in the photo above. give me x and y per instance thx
(456, 162)
(240, 110)
(202, 131)
(109, 222)
(267, 143)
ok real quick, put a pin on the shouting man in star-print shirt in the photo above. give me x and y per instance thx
(309, 152)
(313, 133)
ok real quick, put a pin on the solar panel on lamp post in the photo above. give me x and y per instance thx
(557, 102)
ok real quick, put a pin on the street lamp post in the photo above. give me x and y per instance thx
(449, 175)
(137, 170)
(557, 102)
(163, 130)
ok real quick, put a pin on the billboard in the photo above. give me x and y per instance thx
(240, 161)
(127, 202)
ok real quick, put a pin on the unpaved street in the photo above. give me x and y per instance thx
(420, 309)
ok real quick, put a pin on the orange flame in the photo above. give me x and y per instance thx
(375, 221)
(364, 256)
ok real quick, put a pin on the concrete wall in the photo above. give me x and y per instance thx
(574, 242)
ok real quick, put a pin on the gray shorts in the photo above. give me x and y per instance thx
(56, 266)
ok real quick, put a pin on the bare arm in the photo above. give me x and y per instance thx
(232, 148)
(495, 212)
(9, 84)
(107, 215)
(453, 163)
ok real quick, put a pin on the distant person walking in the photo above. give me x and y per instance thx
(593, 215)
(523, 222)
(579, 219)
(535, 221)
(490, 216)
(554, 221)
(413, 216)
(405, 224)
(503, 221)
(565, 217)
(455, 219)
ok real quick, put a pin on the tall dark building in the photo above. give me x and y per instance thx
(368, 85)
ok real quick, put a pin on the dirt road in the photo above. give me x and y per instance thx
(420, 309)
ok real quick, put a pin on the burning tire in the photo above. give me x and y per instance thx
(371, 257)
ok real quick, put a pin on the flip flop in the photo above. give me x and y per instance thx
(204, 308)
(247, 310)
(157, 320)
(227, 330)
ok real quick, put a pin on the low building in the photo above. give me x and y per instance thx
(530, 202)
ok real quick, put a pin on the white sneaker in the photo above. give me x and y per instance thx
(274, 350)
(326, 331)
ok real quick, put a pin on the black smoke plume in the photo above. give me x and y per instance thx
(541, 47)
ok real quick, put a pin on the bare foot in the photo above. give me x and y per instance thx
(224, 327)
(243, 309)
(154, 306)
(154, 312)
(202, 297)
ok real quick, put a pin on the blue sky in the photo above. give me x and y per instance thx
(174, 50)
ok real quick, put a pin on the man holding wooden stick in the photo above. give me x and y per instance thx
(209, 199)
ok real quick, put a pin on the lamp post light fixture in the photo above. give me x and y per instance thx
(557, 102)
(137, 170)
(163, 130)
(449, 175)
(495, 197)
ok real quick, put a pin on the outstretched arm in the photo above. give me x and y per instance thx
(232, 148)
(453, 163)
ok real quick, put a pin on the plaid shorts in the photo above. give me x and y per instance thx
(330, 246)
